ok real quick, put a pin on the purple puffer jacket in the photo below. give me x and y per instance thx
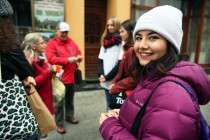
(171, 114)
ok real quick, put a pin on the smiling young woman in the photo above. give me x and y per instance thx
(149, 46)
(171, 113)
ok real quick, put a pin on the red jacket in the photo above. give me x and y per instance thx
(58, 52)
(122, 80)
(43, 83)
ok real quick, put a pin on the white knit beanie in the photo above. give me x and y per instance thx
(166, 21)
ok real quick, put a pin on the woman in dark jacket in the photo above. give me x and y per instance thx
(20, 122)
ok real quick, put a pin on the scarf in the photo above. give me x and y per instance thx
(112, 39)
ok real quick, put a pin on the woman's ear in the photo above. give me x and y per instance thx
(33, 47)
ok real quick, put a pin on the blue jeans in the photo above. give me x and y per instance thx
(108, 98)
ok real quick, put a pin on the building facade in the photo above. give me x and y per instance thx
(87, 19)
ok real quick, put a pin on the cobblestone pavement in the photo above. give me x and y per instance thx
(88, 106)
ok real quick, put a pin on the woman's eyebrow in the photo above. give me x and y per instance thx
(152, 32)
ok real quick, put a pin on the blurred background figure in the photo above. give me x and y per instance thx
(123, 81)
(110, 55)
(16, 119)
(62, 50)
(34, 47)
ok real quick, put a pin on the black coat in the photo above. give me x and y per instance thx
(14, 62)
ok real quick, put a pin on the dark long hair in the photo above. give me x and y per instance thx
(156, 68)
(129, 26)
(8, 37)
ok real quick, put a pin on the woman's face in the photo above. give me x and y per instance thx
(40, 46)
(149, 46)
(124, 34)
(110, 26)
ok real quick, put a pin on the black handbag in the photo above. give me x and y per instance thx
(78, 76)
(117, 100)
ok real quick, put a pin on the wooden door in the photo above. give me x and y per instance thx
(95, 21)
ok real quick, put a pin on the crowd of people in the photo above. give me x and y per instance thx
(139, 58)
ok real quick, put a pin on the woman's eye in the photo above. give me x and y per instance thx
(153, 37)
(137, 38)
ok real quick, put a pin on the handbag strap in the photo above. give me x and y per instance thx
(139, 116)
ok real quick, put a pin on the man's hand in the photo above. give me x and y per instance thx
(79, 57)
(72, 60)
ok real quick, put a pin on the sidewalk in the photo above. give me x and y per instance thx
(88, 107)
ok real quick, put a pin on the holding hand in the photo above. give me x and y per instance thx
(29, 81)
(111, 113)
(72, 59)
(79, 58)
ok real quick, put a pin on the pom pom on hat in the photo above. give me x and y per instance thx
(5, 8)
(164, 20)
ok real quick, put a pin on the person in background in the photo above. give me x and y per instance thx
(14, 106)
(62, 50)
(171, 113)
(34, 46)
(123, 82)
(110, 55)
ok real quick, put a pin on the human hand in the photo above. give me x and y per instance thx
(114, 113)
(72, 59)
(103, 117)
(79, 58)
(102, 78)
(29, 81)
(111, 113)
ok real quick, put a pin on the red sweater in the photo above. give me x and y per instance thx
(58, 52)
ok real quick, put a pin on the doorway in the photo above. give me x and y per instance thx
(95, 21)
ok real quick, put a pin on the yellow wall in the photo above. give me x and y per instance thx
(74, 16)
(119, 8)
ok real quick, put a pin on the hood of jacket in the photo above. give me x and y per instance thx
(196, 77)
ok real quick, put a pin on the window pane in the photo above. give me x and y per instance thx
(192, 38)
(205, 43)
(151, 3)
(196, 8)
(138, 13)
(208, 7)
(175, 3)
